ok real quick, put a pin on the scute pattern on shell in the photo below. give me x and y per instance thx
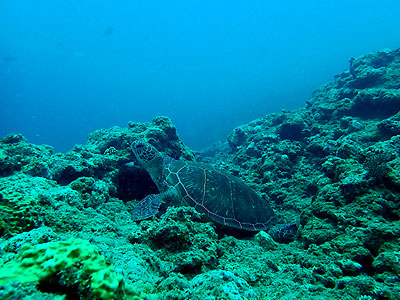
(224, 198)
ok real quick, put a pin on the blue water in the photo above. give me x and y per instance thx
(70, 67)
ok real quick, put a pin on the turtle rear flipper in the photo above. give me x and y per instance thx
(147, 208)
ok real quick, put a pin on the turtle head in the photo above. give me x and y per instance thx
(144, 152)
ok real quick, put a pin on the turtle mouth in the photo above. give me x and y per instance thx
(138, 146)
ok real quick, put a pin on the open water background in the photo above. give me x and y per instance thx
(71, 67)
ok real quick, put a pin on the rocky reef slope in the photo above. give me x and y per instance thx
(333, 167)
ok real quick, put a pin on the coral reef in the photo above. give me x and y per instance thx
(73, 265)
(332, 167)
(19, 211)
(335, 164)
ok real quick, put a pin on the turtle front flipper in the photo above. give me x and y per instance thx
(147, 208)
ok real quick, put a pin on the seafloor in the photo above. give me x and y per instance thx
(333, 166)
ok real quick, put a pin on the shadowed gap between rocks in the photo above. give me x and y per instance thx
(134, 184)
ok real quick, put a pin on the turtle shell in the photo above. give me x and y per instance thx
(225, 199)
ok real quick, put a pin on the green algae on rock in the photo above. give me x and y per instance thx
(75, 264)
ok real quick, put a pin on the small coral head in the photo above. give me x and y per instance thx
(144, 152)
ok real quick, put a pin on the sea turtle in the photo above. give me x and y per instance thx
(224, 198)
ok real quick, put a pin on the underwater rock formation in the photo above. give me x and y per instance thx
(73, 264)
(335, 163)
(332, 166)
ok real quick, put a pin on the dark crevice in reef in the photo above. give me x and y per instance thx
(55, 286)
(134, 183)
(70, 174)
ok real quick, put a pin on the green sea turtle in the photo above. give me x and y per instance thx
(225, 199)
